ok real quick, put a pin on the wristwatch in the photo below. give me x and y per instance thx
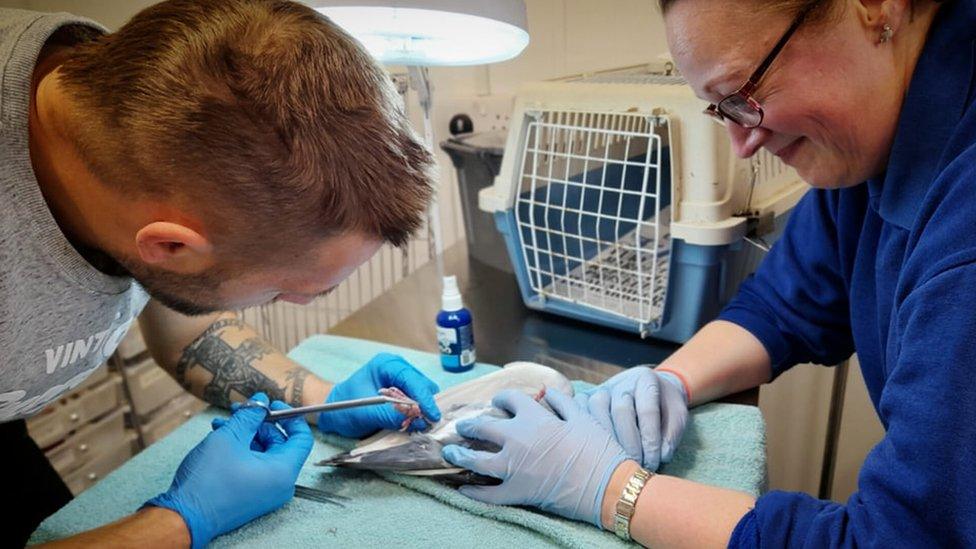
(624, 510)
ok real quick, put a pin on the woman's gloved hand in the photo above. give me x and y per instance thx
(646, 410)
(558, 462)
(383, 370)
(242, 470)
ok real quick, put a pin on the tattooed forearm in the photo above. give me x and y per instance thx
(231, 368)
(187, 360)
(296, 379)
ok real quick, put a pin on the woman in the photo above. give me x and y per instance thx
(871, 102)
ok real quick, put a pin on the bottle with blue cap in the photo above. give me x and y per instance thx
(455, 334)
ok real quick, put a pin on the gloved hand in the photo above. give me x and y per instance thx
(383, 370)
(559, 463)
(268, 433)
(242, 470)
(646, 410)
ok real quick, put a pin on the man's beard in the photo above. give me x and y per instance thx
(186, 294)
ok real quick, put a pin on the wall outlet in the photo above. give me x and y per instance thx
(487, 112)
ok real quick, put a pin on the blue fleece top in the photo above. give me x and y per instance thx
(888, 268)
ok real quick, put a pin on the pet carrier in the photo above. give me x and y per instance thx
(622, 205)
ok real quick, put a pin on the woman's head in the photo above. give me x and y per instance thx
(831, 97)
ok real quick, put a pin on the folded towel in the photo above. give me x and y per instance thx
(723, 446)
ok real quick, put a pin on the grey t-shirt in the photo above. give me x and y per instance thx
(60, 318)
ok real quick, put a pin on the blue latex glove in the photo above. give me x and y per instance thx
(646, 411)
(383, 370)
(244, 469)
(558, 462)
(268, 434)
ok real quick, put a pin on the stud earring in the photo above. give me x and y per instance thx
(886, 33)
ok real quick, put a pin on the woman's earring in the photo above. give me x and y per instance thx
(886, 33)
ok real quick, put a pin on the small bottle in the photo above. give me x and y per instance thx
(455, 335)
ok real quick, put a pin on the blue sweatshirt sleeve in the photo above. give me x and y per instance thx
(797, 303)
(916, 486)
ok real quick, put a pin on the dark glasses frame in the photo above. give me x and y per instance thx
(741, 107)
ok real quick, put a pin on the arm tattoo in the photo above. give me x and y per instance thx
(232, 368)
(296, 378)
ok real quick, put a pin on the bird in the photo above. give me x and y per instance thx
(419, 453)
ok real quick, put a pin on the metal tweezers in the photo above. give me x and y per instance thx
(320, 496)
(276, 415)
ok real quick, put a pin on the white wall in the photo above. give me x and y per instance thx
(567, 37)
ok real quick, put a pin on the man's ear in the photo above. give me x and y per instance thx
(174, 247)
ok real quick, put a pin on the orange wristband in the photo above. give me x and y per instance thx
(684, 381)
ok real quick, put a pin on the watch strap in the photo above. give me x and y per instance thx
(624, 509)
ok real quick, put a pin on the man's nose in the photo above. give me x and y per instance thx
(746, 141)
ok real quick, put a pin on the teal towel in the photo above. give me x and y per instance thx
(724, 446)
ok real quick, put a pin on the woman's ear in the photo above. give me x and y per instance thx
(174, 247)
(875, 14)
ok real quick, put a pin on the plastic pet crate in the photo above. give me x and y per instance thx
(622, 205)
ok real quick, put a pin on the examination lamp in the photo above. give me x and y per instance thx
(430, 33)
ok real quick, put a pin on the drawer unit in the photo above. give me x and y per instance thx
(132, 345)
(89, 442)
(100, 375)
(102, 464)
(150, 387)
(170, 416)
(111, 416)
(75, 411)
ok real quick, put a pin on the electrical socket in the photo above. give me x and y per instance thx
(487, 112)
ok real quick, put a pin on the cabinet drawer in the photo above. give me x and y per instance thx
(99, 400)
(73, 412)
(89, 442)
(101, 465)
(171, 416)
(150, 387)
(132, 345)
(100, 375)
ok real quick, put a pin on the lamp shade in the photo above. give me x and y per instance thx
(433, 32)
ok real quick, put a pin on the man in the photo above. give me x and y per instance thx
(215, 155)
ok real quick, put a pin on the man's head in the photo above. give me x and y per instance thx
(264, 153)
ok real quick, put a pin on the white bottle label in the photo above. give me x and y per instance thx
(445, 338)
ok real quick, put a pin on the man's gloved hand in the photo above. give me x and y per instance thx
(646, 410)
(242, 470)
(558, 462)
(383, 370)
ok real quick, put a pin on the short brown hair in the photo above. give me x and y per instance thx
(262, 109)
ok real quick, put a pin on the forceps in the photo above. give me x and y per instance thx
(275, 415)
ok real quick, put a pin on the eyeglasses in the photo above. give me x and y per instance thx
(741, 107)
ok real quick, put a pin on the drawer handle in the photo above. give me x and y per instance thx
(92, 476)
(74, 416)
(83, 448)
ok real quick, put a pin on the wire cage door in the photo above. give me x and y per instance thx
(592, 213)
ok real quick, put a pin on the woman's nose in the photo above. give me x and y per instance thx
(746, 141)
